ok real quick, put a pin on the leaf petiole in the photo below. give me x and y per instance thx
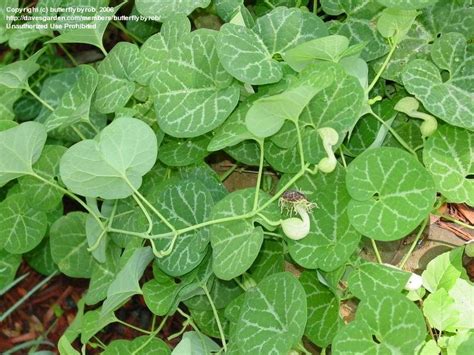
(216, 316)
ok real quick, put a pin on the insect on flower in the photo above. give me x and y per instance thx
(295, 201)
(291, 199)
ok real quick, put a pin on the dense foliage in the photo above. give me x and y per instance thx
(364, 111)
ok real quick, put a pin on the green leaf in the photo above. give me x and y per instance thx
(92, 323)
(194, 343)
(273, 316)
(461, 343)
(69, 94)
(69, 245)
(443, 271)
(7, 100)
(222, 293)
(4, 33)
(117, 73)
(160, 294)
(16, 74)
(125, 284)
(206, 322)
(21, 227)
(391, 193)
(192, 92)
(450, 100)
(155, 50)
(395, 23)
(270, 260)
(41, 259)
(41, 195)
(248, 54)
(323, 311)
(9, 264)
(443, 17)
(332, 239)
(448, 157)
(462, 293)
(438, 309)
(183, 204)
(162, 9)
(384, 324)
(20, 148)
(91, 35)
(182, 152)
(370, 278)
(140, 345)
(361, 15)
(112, 165)
(20, 37)
(232, 131)
(236, 244)
(103, 274)
(329, 48)
(407, 4)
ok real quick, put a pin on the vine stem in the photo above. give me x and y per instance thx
(44, 103)
(393, 46)
(71, 195)
(216, 316)
(152, 208)
(395, 134)
(145, 212)
(454, 220)
(133, 327)
(152, 334)
(376, 251)
(415, 242)
(69, 55)
(104, 230)
(121, 27)
(259, 177)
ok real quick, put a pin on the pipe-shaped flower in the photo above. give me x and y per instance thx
(409, 106)
(297, 228)
(295, 201)
(414, 282)
(330, 138)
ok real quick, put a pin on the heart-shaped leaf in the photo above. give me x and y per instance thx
(92, 34)
(163, 9)
(448, 157)
(323, 311)
(384, 324)
(273, 316)
(183, 204)
(117, 73)
(370, 278)
(126, 283)
(22, 227)
(452, 99)
(155, 50)
(236, 244)
(391, 193)
(9, 264)
(20, 148)
(332, 239)
(112, 165)
(193, 94)
(248, 54)
(69, 245)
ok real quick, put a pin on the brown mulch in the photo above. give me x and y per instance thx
(47, 314)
